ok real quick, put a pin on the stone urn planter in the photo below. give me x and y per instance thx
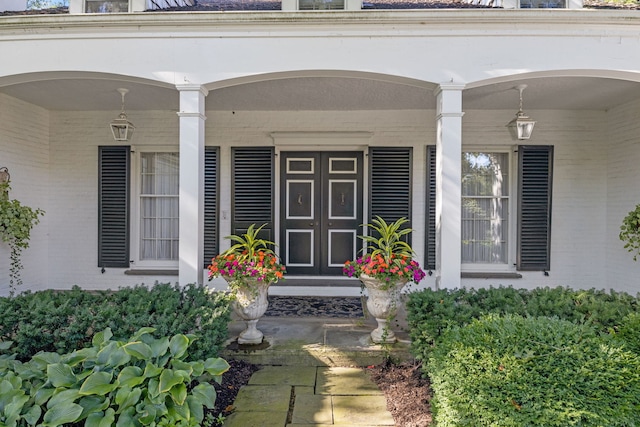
(382, 302)
(249, 266)
(384, 268)
(250, 302)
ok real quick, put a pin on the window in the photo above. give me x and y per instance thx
(142, 189)
(157, 208)
(485, 208)
(496, 231)
(102, 6)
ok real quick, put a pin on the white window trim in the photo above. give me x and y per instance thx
(510, 265)
(136, 262)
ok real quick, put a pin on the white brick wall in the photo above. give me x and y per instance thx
(623, 193)
(24, 133)
(590, 166)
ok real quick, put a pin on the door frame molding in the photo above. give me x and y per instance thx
(318, 142)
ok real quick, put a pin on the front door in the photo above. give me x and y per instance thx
(321, 210)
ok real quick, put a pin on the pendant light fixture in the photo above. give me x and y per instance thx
(521, 127)
(121, 127)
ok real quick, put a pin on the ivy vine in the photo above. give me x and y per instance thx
(16, 222)
(630, 232)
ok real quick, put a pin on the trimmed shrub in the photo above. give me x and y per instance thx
(630, 332)
(142, 381)
(62, 321)
(431, 312)
(511, 371)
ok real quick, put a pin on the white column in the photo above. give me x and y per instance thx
(191, 247)
(448, 191)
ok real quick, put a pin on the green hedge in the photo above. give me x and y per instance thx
(63, 321)
(431, 312)
(511, 371)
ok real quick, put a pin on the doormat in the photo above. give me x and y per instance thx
(314, 306)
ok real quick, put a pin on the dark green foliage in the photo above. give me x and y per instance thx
(630, 332)
(512, 371)
(62, 321)
(431, 312)
(141, 381)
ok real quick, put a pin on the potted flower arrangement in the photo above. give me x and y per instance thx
(249, 266)
(384, 268)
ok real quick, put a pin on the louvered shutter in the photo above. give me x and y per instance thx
(430, 209)
(390, 183)
(211, 200)
(252, 190)
(535, 173)
(113, 206)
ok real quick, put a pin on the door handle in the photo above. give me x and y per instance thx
(310, 224)
(330, 224)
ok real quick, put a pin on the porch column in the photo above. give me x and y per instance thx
(448, 190)
(191, 246)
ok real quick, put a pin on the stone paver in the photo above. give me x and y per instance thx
(256, 419)
(261, 398)
(284, 375)
(361, 411)
(345, 381)
(312, 409)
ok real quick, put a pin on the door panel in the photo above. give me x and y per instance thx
(321, 210)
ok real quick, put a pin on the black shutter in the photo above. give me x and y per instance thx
(535, 170)
(430, 209)
(390, 183)
(252, 189)
(113, 206)
(211, 203)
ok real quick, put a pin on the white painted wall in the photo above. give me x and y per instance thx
(623, 193)
(24, 142)
(580, 181)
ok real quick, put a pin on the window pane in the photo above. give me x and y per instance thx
(320, 4)
(102, 6)
(485, 207)
(159, 206)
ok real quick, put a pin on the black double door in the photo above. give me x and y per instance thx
(321, 210)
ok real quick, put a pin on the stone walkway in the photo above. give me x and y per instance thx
(318, 396)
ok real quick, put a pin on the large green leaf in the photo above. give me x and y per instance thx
(126, 397)
(178, 345)
(138, 350)
(62, 397)
(13, 409)
(61, 375)
(79, 356)
(196, 408)
(97, 383)
(61, 414)
(152, 370)
(102, 337)
(178, 412)
(216, 366)
(178, 393)
(33, 415)
(43, 394)
(126, 419)
(93, 404)
(158, 346)
(131, 376)
(169, 378)
(180, 365)
(205, 394)
(118, 357)
(142, 331)
(5, 345)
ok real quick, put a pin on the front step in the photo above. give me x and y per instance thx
(313, 341)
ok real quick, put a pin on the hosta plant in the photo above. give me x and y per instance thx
(144, 381)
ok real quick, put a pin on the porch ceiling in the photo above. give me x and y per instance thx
(328, 93)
